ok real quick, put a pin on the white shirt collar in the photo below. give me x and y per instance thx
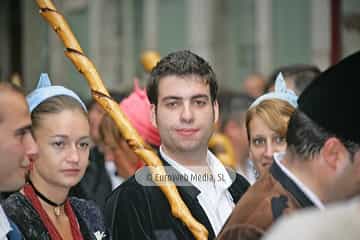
(214, 197)
(249, 173)
(5, 227)
(216, 167)
(115, 179)
(307, 191)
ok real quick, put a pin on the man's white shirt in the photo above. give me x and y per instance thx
(4, 225)
(214, 197)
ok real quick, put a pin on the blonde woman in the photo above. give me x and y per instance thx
(42, 209)
(266, 125)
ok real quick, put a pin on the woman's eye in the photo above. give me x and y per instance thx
(84, 145)
(279, 140)
(58, 144)
(258, 142)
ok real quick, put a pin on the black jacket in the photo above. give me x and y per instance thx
(134, 211)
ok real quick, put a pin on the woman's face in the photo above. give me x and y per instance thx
(264, 142)
(64, 142)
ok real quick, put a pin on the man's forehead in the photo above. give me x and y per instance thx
(183, 87)
(13, 104)
(7, 93)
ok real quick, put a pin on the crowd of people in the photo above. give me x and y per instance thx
(292, 170)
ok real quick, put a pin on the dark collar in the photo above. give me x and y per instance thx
(290, 186)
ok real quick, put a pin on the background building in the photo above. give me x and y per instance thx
(238, 37)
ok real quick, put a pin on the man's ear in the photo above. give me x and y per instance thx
(153, 115)
(334, 153)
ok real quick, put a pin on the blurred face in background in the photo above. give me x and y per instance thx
(254, 85)
(96, 113)
(115, 148)
(236, 131)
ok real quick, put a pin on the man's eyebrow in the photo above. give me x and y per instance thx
(23, 130)
(167, 98)
(197, 96)
(85, 138)
(59, 136)
(200, 96)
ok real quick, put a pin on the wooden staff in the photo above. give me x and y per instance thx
(74, 52)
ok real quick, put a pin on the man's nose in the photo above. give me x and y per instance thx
(187, 113)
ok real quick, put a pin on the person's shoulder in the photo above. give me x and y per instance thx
(238, 187)
(241, 181)
(257, 201)
(19, 209)
(263, 188)
(319, 224)
(139, 183)
(85, 207)
(89, 215)
(14, 203)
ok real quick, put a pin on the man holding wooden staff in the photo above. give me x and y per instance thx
(183, 93)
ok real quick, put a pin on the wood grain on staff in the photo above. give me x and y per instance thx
(101, 95)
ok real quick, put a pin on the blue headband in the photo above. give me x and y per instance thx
(281, 93)
(45, 90)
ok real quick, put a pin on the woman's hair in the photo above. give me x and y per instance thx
(108, 129)
(53, 105)
(274, 112)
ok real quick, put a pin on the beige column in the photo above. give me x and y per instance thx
(320, 33)
(263, 35)
(126, 56)
(34, 44)
(150, 24)
(199, 31)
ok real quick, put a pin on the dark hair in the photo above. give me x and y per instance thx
(302, 75)
(305, 138)
(108, 128)
(53, 105)
(233, 106)
(181, 63)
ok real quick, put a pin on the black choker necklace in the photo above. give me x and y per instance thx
(57, 209)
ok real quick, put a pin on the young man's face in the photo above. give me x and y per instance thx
(16, 141)
(185, 115)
